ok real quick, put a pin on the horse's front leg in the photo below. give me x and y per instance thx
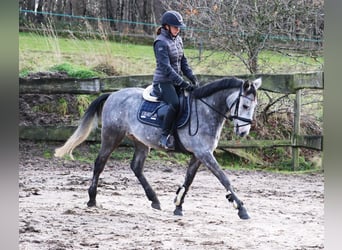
(181, 192)
(209, 160)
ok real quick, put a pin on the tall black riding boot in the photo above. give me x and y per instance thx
(167, 127)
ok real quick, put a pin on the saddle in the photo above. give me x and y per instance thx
(152, 110)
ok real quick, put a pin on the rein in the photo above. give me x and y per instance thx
(217, 111)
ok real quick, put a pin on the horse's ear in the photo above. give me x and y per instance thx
(257, 83)
(246, 85)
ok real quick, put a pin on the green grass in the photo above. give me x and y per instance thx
(38, 53)
(74, 71)
(43, 52)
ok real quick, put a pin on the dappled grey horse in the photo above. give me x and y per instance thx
(211, 105)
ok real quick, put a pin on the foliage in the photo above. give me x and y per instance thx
(62, 108)
(246, 28)
(123, 16)
(74, 71)
(242, 28)
(24, 73)
(83, 101)
(231, 161)
(304, 165)
(169, 157)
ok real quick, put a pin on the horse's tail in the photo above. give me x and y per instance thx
(87, 124)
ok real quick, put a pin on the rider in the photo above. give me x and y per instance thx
(171, 65)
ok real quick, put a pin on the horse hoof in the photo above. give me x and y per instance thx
(156, 205)
(178, 212)
(91, 203)
(243, 213)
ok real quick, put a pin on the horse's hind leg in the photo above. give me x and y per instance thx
(108, 144)
(137, 165)
(181, 192)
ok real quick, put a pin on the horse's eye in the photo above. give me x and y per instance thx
(245, 106)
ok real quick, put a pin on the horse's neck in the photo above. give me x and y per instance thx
(218, 101)
(215, 112)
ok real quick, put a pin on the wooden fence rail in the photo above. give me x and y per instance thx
(285, 83)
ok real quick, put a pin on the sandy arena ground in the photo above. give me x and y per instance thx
(287, 211)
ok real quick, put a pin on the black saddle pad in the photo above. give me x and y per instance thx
(148, 113)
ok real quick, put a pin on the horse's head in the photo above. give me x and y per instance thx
(242, 104)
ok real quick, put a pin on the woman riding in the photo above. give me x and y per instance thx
(171, 66)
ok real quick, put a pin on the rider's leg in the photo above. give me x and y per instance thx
(167, 127)
(170, 96)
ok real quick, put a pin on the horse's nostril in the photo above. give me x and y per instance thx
(242, 134)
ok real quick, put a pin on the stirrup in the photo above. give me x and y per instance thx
(165, 143)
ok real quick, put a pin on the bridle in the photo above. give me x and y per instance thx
(230, 117)
(236, 111)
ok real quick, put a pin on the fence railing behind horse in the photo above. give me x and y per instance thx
(285, 83)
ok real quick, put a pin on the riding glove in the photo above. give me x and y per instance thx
(194, 81)
(186, 86)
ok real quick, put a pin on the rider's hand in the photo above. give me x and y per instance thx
(186, 86)
(195, 82)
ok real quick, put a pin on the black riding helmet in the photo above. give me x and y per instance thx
(172, 18)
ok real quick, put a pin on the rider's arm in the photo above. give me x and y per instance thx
(187, 71)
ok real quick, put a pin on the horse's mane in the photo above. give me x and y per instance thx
(213, 87)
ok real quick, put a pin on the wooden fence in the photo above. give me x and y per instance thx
(286, 84)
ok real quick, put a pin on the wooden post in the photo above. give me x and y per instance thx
(200, 50)
(296, 130)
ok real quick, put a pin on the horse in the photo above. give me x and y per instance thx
(211, 105)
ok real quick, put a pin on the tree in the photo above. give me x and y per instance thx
(245, 27)
(120, 15)
(241, 27)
